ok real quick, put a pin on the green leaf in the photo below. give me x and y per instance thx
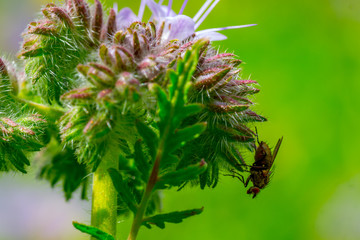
(150, 137)
(168, 160)
(19, 160)
(174, 79)
(61, 167)
(173, 217)
(123, 189)
(141, 163)
(178, 177)
(93, 231)
(191, 109)
(186, 134)
(164, 104)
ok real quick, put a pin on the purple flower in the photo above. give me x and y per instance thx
(176, 26)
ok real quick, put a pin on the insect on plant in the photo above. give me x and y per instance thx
(260, 171)
(135, 105)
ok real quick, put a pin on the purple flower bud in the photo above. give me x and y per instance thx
(212, 80)
(76, 94)
(97, 21)
(223, 108)
(83, 12)
(110, 29)
(103, 69)
(104, 93)
(60, 13)
(105, 55)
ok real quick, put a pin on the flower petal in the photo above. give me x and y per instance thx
(125, 17)
(159, 11)
(179, 27)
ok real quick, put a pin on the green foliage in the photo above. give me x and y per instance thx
(62, 166)
(123, 189)
(142, 164)
(54, 46)
(92, 231)
(174, 113)
(18, 137)
(178, 177)
(163, 140)
(173, 217)
(6, 90)
(150, 137)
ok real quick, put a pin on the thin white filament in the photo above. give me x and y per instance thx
(225, 28)
(183, 7)
(169, 8)
(202, 10)
(206, 13)
(141, 9)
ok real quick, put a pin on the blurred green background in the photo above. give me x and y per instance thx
(306, 57)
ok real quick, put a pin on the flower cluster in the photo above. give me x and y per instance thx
(139, 55)
(20, 132)
(102, 68)
(140, 105)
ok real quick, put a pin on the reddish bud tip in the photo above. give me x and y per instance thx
(9, 122)
(224, 108)
(97, 20)
(202, 163)
(110, 29)
(26, 130)
(104, 93)
(61, 14)
(220, 57)
(3, 69)
(211, 81)
(83, 12)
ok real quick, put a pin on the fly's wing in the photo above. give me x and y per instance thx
(270, 175)
(276, 150)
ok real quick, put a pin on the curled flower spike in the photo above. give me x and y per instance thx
(140, 55)
(176, 26)
(141, 105)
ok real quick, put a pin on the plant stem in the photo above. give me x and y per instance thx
(144, 201)
(138, 219)
(104, 195)
(53, 113)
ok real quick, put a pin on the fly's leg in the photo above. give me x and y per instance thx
(259, 167)
(257, 137)
(247, 181)
(236, 175)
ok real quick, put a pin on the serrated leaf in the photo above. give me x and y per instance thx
(173, 217)
(123, 189)
(150, 137)
(178, 177)
(164, 106)
(191, 109)
(141, 163)
(174, 79)
(168, 160)
(93, 231)
(19, 160)
(183, 135)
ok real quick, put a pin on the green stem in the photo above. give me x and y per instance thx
(138, 219)
(104, 195)
(144, 201)
(53, 113)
